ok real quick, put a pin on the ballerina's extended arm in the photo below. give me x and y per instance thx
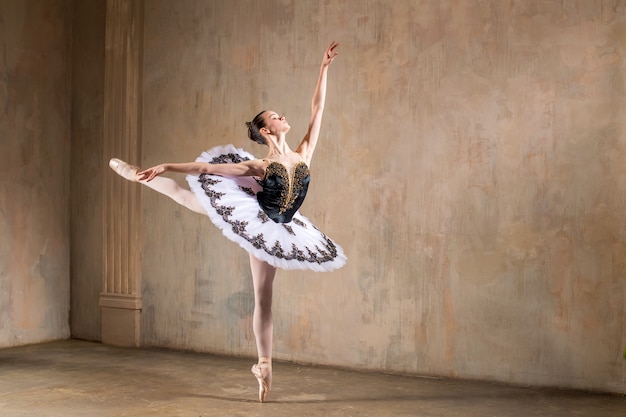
(308, 143)
(242, 169)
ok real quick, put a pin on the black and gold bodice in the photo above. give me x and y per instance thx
(283, 192)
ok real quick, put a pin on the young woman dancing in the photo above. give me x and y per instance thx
(255, 203)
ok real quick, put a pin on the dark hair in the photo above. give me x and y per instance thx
(254, 128)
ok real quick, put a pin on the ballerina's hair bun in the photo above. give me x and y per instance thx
(254, 129)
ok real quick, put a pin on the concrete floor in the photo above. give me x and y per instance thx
(76, 378)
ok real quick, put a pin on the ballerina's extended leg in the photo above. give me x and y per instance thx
(165, 186)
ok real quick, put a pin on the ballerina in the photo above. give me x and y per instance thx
(255, 203)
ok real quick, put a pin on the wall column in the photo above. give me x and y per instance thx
(120, 300)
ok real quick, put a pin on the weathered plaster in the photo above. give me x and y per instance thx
(35, 41)
(471, 163)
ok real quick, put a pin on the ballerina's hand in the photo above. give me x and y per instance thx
(150, 173)
(330, 53)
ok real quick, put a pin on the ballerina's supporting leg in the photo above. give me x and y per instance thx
(163, 185)
(262, 275)
(262, 324)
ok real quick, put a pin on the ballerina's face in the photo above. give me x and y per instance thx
(275, 123)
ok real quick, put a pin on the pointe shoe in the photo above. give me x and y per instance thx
(123, 169)
(263, 373)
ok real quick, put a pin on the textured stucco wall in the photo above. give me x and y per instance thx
(88, 29)
(35, 41)
(471, 164)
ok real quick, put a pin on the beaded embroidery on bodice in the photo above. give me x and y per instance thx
(283, 192)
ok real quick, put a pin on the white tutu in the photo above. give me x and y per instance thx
(232, 206)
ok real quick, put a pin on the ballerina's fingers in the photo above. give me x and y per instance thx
(331, 54)
(147, 175)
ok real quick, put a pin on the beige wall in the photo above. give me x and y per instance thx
(471, 164)
(88, 168)
(35, 42)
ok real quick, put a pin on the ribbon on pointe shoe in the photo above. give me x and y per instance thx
(263, 373)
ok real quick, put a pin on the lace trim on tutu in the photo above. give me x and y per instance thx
(231, 204)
